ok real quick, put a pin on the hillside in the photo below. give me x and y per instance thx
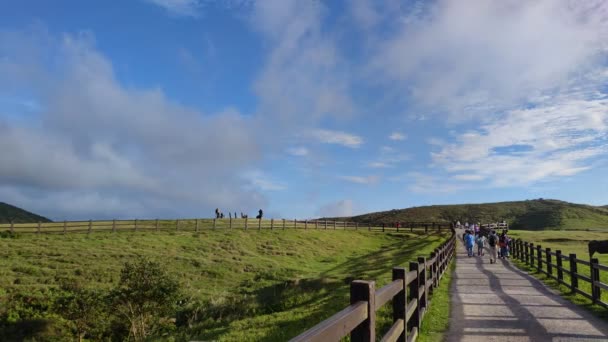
(532, 214)
(240, 285)
(18, 215)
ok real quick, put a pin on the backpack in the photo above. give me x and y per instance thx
(480, 241)
(492, 240)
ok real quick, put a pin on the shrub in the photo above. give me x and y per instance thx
(86, 309)
(146, 295)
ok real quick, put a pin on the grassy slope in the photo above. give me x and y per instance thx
(266, 285)
(533, 214)
(10, 213)
(569, 242)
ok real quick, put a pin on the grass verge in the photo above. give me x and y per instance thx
(436, 320)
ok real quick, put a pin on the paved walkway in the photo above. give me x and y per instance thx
(497, 302)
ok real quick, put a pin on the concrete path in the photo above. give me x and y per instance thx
(497, 302)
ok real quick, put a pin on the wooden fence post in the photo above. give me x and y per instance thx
(539, 256)
(38, 230)
(560, 273)
(135, 224)
(90, 226)
(334, 224)
(157, 227)
(12, 227)
(295, 224)
(400, 301)
(260, 223)
(411, 227)
(65, 226)
(383, 227)
(364, 291)
(426, 228)
(196, 225)
(414, 286)
(422, 281)
(230, 224)
(345, 225)
(531, 255)
(283, 224)
(316, 224)
(573, 273)
(272, 224)
(305, 224)
(433, 275)
(369, 226)
(548, 258)
(595, 278)
(325, 224)
(526, 252)
(214, 224)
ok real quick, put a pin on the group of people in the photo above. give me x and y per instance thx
(498, 246)
(220, 215)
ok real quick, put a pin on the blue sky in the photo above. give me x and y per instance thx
(171, 108)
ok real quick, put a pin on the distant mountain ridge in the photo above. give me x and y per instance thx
(10, 213)
(538, 214)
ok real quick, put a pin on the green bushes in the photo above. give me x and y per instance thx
(143, 304)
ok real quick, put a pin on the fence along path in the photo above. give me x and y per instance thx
(200, 224)
(409, 293)
(498, 302)
(565, 269)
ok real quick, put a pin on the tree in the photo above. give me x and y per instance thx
(145, 295)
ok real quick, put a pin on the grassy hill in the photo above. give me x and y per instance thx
(239, 285)
(532, 214)
(10, 213)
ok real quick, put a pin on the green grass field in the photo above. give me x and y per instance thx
(569, 242)
(241, 285)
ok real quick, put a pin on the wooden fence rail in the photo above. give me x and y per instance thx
(552, 264)
(409, 292)
(197, 224)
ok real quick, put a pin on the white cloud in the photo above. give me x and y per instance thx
(428, 184)
(531, 145)
(262, 181)
(378, 165)
(337, 137)
(475, 57)
(396, 136)
(340, 208)
(186, 8)
(93, 135)
(298, 151)
(361, 180)
(305, 77)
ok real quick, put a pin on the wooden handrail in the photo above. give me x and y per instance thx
(407, 315)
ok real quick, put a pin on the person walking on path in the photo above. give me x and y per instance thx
(469, 242)
(503, 243)
(492, 242)
(481, 241)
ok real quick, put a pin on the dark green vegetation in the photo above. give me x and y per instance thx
(10, 213)
(231, 284)
(532, 215)
(568, 242)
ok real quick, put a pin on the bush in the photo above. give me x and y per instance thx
(86, 309)
(146, 296)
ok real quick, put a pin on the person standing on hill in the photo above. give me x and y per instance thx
(260, 214)
(492, 242)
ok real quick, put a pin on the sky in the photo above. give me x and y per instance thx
(304, 108)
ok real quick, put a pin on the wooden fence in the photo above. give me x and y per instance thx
(409, 292)
(555, 264)
(199, 224)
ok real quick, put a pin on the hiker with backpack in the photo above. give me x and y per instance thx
(492, 242)
(481, 241)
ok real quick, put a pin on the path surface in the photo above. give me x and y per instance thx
(498, 302)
